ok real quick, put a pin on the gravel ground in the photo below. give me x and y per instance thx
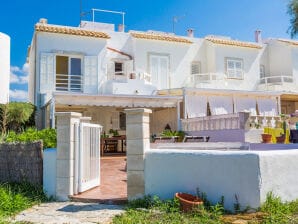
(69, 212)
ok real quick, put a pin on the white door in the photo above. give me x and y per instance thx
(159, 70)
(87, 173)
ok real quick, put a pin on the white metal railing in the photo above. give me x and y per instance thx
(277, 80)
(214, 122)
(72, 83)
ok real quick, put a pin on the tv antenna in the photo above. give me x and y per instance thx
(175, 20)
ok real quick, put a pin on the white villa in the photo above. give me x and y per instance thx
(99, 72)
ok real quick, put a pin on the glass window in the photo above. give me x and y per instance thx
(262, 71)
(195, 67)
(68, 73)
(119, 68)
(234, 68)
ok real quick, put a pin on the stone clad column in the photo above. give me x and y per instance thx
(65, 153)
(137, 142)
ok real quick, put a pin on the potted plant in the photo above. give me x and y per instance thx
(266, 138)
(188, 202)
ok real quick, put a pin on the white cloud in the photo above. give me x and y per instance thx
(19, 75)
(18, 95)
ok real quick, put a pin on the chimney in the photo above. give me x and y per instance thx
(258, 37)
(121, 28)
(43, 21)
(190, 32)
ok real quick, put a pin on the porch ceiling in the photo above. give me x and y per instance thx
(289, 97)
(116, 100)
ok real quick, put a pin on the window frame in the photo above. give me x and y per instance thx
(195, 63)
(234, 60)
(69, 75)
(262, 73)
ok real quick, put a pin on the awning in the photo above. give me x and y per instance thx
(131, 101)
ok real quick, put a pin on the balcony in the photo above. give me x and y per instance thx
(123, 77)
(203, 80)
(69, 83)
(278, 83)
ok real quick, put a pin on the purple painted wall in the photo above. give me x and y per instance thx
(232, 135)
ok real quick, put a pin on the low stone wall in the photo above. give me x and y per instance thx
(21, 162)
(248, 174)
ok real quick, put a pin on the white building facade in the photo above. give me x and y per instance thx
(4, 67)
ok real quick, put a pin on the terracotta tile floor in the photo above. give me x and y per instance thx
(113, 188)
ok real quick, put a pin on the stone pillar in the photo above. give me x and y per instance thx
(138, 141)
(65, 153)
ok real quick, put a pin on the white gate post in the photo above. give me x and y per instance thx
(138, 140)
(65, 153)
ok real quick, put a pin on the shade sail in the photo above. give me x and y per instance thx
(220, 104)
(196, 106)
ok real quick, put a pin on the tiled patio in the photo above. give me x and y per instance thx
(113, 188)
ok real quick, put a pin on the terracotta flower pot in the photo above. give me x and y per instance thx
(188, 202)
(281, 139)
(266, 138)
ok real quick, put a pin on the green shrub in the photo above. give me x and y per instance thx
(278, 211)
(48, 136)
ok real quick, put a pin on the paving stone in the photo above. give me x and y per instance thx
(69, 212)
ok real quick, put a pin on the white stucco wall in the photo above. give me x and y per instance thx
(70, 44)
(216, 57)
(180, 57)
(49, 171)
(280, 58)
(247, 174)
(279, 174)
(4, 67)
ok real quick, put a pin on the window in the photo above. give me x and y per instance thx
(159, 69)
(122, 118)
(234, 68)
(262, 71)
(68, 73)
(119, 68)
(195, 67)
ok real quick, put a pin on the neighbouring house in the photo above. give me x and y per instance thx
(4, 67)
(98, 71)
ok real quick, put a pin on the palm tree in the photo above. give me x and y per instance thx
(293, 12)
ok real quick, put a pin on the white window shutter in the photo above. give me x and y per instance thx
(46, 72)
(90, 74)
(110, 69)
(128, 67)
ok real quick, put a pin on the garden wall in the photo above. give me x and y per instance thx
(248, 174)
(21, 162)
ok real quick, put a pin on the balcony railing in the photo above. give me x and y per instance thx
(71, 83)
(277, 80)
(195, 79)
(241, 120)
(124, 77)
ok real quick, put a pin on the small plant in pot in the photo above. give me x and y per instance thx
(266, 138)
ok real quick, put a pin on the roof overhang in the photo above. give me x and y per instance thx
(128, 101)
(223, 92)
(289, 97)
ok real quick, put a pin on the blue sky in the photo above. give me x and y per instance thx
(235, 18)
